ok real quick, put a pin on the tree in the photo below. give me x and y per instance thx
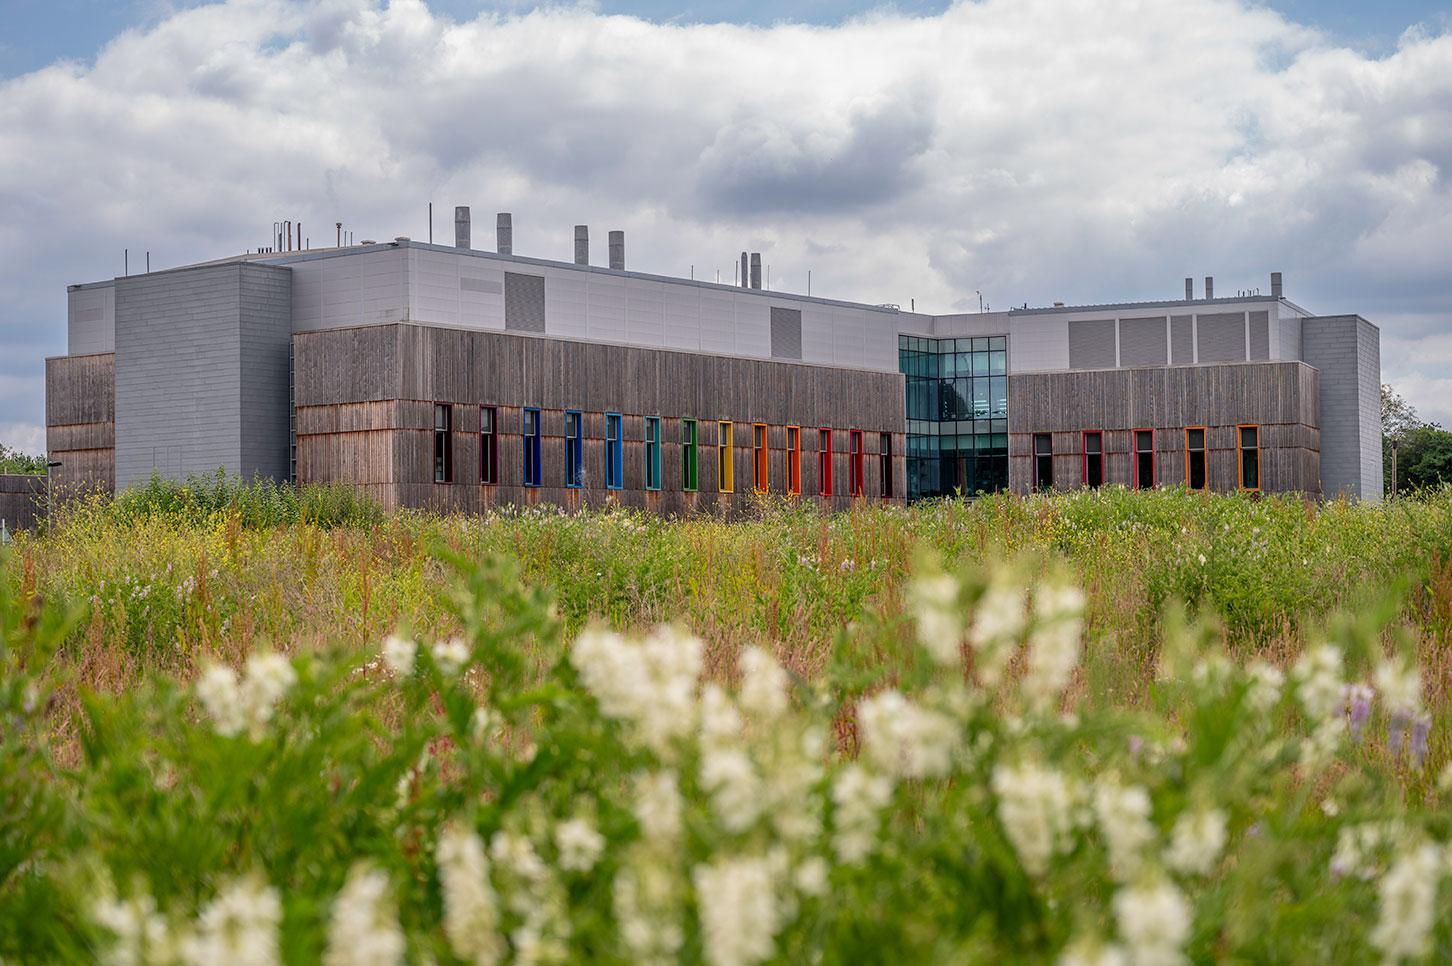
(1397, 415)
(1424, 457)
(14, 461)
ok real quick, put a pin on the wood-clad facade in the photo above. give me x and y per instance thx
(80, 417)
(366, 397)
(1280, 399)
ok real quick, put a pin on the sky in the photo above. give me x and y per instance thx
(1033, 150)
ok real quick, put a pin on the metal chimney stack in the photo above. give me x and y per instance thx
(745, 280)
(504, 233)
(1189, 289)
(1276, 287)
(461, 226)
(582, 244)
(756, 269)
(617, 250)
(1209, 286)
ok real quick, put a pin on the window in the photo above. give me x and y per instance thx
(760, 478)
(1249, 440)
(854, 466)
(725, 471)
(824, 462)
(1043, 461)
(443, 444)
(530, 435)
(574, 448)
(614, 452)
(488, 445)
(1195, 458)
(884, 464)
(1144, 459)
(688, 455)
(652, 452)
(794, 459)
(1094, 459)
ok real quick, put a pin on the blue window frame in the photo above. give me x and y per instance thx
(530, 436)
(652, 452)
(574, 448)
(614, 453)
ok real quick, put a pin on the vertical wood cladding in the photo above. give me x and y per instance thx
(80, 418)
(365, 398)
(1279, 397)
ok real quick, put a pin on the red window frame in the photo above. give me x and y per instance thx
(824, 462)
(760, 468)
(854, 465)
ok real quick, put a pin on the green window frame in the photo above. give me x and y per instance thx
(652, 452)
(689, 480)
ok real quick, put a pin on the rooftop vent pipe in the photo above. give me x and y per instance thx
(1189, 289)
(504, 233)
(1276, 287)
(582, 244)
(1209, 286)
(461, 226)
(745, 279)
(756, 269)
(617, 250)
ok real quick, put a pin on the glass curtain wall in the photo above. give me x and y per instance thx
(957, 414)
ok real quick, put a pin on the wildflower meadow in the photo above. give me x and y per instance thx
(1103, 727)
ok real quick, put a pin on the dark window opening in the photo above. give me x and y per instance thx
(488, 446)
(884, 464)
(855, 466)
(574, 449)
(530, 437)
(688, 455)
(1043, 461)
(614, 453)
(652, 452)
(443, 444)
(1094, 459)
(1144, 459)
(824, 462)
(1195, 459)
(1249, 457)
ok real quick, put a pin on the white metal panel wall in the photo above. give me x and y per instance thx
(358, 289)
(1036, 345)
(91, 320)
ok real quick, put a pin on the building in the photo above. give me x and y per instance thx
(449, 377)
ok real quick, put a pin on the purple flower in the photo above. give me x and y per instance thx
(1360, 696)
(1421, 728)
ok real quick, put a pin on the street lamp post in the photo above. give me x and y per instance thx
(49, 465)
(1394, 467)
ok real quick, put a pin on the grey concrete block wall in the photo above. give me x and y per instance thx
(1347, 351)
(191, 347)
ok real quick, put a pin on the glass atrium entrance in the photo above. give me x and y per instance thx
(957, 414)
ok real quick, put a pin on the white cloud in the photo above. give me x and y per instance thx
(25, 437)
(1034, 149)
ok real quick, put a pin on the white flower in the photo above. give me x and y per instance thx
(650, 685)
(1319, 684)
(858, 798)
(579, 844)
(1444, 780)
(731, 780)
(647, 903)
(1092, 952)
(1124, 820)
(1407, 905)
(471, 907)
(399, 654)
(905, 740)
(763, 685)
(238, 926)
(998, 621)
(1318, 748)
(1266, 681)
(739, 911)
(1360, 848)
(363, 929)
(810, 877)
(658, 806)
(1154, 921)
(1399, 683)
(720, 721)
(1196, 841)
(484, 723)
(450, 655)
(1036, 808)
(217, 689)
(934, 601)
(140, 931)
(1053, 650)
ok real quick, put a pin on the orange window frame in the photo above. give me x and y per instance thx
(760, 468)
